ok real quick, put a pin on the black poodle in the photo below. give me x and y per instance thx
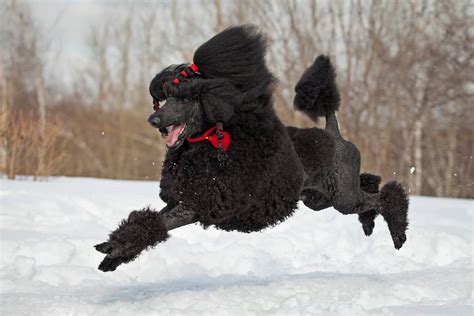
(230, 161)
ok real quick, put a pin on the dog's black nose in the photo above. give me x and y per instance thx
(154, 121)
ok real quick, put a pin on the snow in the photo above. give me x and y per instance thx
(314, 263)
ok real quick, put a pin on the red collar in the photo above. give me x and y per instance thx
(215, 140)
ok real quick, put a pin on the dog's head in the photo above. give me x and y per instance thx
(177, 120)
(190, 106)
(177, 116)
(228, 71)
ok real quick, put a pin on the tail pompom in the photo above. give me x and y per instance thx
(395, 211)
(316, 91)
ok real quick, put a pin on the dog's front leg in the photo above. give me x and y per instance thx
(142, 229)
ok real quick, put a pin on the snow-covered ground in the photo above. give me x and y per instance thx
(314, 263)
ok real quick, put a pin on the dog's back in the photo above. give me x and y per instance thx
(315, 148)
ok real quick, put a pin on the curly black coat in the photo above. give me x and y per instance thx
(267, 169)
(255, 184)
(259, 185)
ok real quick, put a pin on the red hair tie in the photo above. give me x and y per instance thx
(193, 67)
(156, 105)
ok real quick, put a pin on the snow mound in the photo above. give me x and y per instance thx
(314, 263)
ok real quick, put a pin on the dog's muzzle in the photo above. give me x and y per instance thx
(154, 121)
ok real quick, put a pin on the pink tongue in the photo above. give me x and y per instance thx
(173, 134)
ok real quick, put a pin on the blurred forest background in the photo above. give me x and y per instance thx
(405, 71)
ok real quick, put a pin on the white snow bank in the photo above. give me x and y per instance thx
(314, 263)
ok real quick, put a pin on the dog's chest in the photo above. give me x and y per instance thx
(185, 172)
(201, 177)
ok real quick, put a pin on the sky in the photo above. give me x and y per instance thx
(66, 24)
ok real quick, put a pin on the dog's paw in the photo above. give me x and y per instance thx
(110, 263)
(104, 247)
(368, 227)
(398, 241)
(113, 258)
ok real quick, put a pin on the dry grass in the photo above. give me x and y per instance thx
(28, 148)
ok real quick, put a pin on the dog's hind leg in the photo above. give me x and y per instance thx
(142, 229)
(391, 202)
(369, 183)
(394, 209)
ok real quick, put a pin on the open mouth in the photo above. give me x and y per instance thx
(172, 134)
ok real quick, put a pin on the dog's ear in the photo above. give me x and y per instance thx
(166, 75)
(220, 100)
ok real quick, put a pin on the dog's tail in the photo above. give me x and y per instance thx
(317, 94)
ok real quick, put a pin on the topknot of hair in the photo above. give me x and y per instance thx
(237, 55)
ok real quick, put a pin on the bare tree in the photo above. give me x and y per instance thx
(405, 71)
